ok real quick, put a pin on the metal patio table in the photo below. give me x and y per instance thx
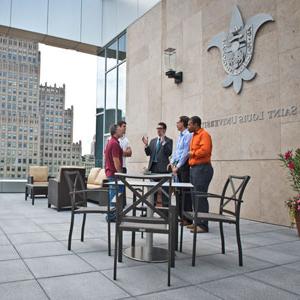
(148, 252)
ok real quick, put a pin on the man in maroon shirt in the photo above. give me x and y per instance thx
(113, 154)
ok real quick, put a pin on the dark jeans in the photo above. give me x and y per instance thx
(165, 199)
(200, 177)
(183, 175)
(111, 194)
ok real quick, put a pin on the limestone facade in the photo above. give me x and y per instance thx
(249, 130)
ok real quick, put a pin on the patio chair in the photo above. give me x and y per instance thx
(162, 222)
(232, 195)
(37, 182)
(58, 192)
(78, 197)
(95, 181)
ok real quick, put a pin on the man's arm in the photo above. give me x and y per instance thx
(205, 146)
(148, 149)
(186, 148)
(117, 164)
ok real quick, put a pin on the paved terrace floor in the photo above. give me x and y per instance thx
(35, 262)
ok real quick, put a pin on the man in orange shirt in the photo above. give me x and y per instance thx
(201, 171)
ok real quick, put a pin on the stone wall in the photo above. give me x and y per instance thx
(248, 130)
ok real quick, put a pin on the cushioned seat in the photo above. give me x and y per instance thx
(96, 178)
(38, 173)
(40, 183)
(37, 182)
(212, 217)
(92, 186)
(95, 181)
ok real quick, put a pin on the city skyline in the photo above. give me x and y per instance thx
(78, 71)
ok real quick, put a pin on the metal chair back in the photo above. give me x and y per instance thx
(232, 195)
(75, 183)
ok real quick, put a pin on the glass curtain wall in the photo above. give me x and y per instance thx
(111, 91)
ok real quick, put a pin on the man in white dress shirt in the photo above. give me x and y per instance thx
(127, 152)
(124, 143)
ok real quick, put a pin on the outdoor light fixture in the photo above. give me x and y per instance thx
(170, 65)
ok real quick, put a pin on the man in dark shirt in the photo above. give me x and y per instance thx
(159, 149)
(113, 163)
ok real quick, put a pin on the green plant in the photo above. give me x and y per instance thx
(291, 160)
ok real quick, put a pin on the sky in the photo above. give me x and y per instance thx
(78, 71)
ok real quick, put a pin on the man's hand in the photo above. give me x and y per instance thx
(169, 166)
(145, 140)
(174, 170)
(190, 153)
(127, 152)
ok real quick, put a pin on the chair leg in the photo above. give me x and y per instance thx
(109, 236)
(133, 239)
(181, 236)
(32, 198)
(175, 229)
(222, 237)
(82, 227)
(238, 238)
(26, 193)
(70, 232)
(116, 254)
(194, 247)
(120, 256)
(169, 257)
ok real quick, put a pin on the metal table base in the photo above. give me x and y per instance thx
(141, 253)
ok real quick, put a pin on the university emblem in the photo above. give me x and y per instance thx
(236, 47)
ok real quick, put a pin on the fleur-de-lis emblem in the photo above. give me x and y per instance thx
(236, 47)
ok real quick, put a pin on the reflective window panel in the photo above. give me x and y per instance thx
(65, 19)
(5, 12)
(30, 15)
(111, 98)
(91, 22)
(122, 92)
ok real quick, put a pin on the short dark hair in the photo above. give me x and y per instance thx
(184, 120)
(196, 120)
(113, 129)
(121, 123)
(163, 125)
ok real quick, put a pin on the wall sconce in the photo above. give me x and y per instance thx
(170, 65)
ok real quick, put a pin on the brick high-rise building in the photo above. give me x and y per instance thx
(19, 103)
(57, 147)
(35, 128)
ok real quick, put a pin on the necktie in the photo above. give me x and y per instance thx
(156, 150)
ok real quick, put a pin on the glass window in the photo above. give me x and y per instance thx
(111, 98)
(111, 55)
(111, 92)
(122, 48)
(100, 82)
(122, 92)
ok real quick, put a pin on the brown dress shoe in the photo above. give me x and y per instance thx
(186, 223)
(191, 226)
(199, 229)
